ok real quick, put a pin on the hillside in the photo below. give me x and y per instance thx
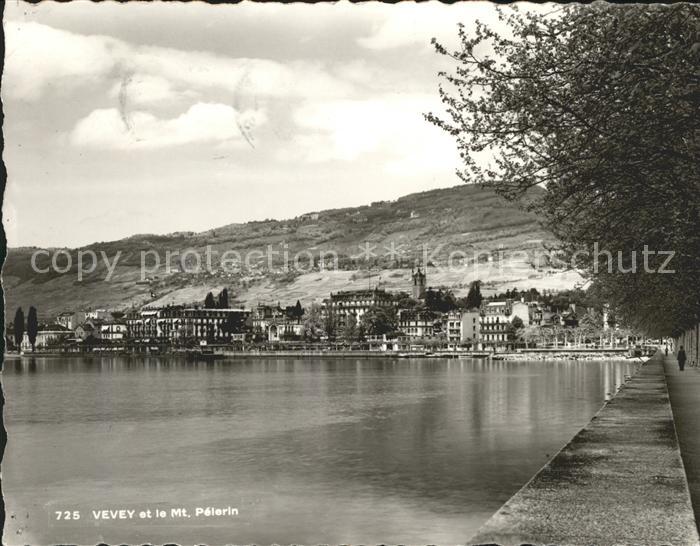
(467, 222)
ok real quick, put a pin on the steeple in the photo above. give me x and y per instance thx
(418, 283)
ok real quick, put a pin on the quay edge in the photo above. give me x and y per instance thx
(620, 480)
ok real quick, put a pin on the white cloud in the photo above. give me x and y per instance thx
(410, 23)
(144, 89)
(392, 126)
(40, 57)
(203, 122)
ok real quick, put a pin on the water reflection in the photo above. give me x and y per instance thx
(312, 451)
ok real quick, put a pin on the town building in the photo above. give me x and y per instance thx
(342, 304)
(273, 323)
(98, 314)
(463, 327)
(84, 331)
(113, 331)
(415, 323)
(48, 336)
(70, 319)
(536, 313)
(179, 323)
(496, 323)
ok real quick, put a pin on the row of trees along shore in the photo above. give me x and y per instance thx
(31, 327)
(589, 116)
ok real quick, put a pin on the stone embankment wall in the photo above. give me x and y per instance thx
(619, 481)
(567, 355)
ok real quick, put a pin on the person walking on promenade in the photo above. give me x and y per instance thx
(681, 358)
(667, 349)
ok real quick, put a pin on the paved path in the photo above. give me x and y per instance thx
(619, 481)
(684, 390)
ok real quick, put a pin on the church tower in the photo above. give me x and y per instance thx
(418, 284)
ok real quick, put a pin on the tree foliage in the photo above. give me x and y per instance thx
(32, 326)
(597, 105)
(18, 328)
(517, 324)
(474, 297)
(234, 324)
(440, 300)
(313, 323)
(298, 310)
(350, 330)
(378, 321)
(209, 302)
(223, 302)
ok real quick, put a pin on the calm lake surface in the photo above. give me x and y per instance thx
(335, 451)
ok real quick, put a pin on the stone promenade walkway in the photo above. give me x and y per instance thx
(684, 391)
(620, 480)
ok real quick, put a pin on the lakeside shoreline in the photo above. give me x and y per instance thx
(530, 355)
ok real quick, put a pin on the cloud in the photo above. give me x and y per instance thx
(202, 122)
(40, 57)
(392, 127)
(144, 89)
(410, 23)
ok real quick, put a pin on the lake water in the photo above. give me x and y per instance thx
(335, 451)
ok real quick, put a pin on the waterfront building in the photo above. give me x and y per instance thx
(142, 324)
(353, 302)
(470, 327)
(113, 331)
(419, 323)
(178, 323)
(48, 336)
(212, 324)
(453, 329)
(463, 327)
(273, 323)
(496, 323)
(287, 329)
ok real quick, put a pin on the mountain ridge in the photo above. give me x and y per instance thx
(463, 221)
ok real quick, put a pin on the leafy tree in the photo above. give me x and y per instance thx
(474, 297)
(19, 328)
(298, 310)
(590, 117)
(517, 327)
(517, 323)
(405, 301)
(234, 324)
(209, 302)
(223, 302)
(378, 321)
(330, 325)
(313, 323)
(32, 326)
(532, 335)
(350, 330)
(441, 300)
(591, 325)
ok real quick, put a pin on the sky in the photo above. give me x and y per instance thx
(161, 117)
